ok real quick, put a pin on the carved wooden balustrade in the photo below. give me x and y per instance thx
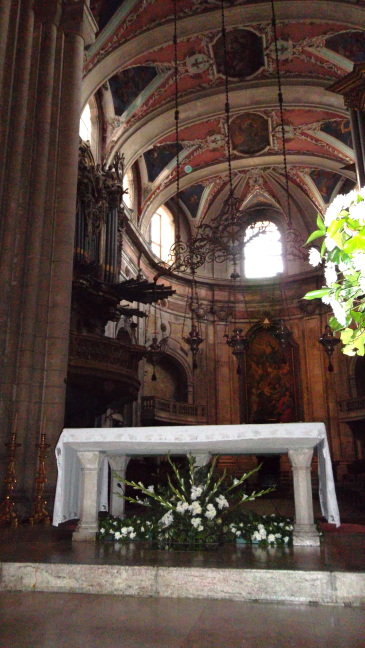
(166, 411)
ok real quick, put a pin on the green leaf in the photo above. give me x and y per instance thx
(335, 226)
(317, 294)
(314, 235)
(320, 223)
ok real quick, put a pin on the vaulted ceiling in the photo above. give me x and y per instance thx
(318, 42)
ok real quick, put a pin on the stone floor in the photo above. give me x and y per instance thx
(63, 618)
(38, 620)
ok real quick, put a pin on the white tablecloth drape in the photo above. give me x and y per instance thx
(213, 439)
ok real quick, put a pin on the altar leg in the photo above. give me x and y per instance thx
(305, 532)
(88, 523)
(118, 464)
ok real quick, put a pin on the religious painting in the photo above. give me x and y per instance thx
(191, 198)
(271, 377)
(158, 157)
(245, 53)
(326, 182)
(128, 84)
(350, 45)
(340, 129)
(250, 133)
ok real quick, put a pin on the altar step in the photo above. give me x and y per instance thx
(295, 586)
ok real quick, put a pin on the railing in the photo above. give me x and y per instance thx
(352, 404)
(104, 353)
(170, 411)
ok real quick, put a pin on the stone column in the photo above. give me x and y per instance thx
(56, 359)
(356, 138)
(12, 140)
(117, 463)
(305, 532)
(88, 524)
(47, 17)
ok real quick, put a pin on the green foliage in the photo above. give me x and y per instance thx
(343, 255)
(196, 509)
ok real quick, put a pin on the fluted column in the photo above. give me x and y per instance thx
(11, 257)
(305, 532)
(64, 224)
(46, 18)
(88, 524)
(118, 464)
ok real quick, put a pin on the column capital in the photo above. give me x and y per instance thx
(78, 19)
(301, 458)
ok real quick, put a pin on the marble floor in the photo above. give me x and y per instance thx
(46, 620)
(63, 619)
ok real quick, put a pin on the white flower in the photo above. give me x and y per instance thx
(200, 528)
(330, 243)
(238, 533)
(339, 312)
(195, 508)
(210, 513)
(256, 536)
(337, 205)
(142, 529)
(357, 211)
(286, 539)
(167, 519)
(117, 535)
(326, 299)
(358, 260)
(271, 537)
(362, 284)
(263, 533)
(196, 522)
(124, 531)
(102, 530)
(130, 529)
(151, 489)
(236, 481)
(196, 491)
(182, 507)
(330, 273)
(314, 257)
(221, 502)
(132, 535)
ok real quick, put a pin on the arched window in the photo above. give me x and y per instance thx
(128, 184)
(162, 233)
(85, 124)
(263, 255)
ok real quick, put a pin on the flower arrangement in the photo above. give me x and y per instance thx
(196, 510)
(343, 255)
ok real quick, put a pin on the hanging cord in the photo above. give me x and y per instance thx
(227, 111)
(177, 116)
(280, 99)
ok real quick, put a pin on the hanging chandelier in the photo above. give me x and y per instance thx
(329, 343)
(185, 255)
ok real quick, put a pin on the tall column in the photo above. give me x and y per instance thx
(46, 19)
(356, 138)
(14, 103)
(305, 532)
(64, 224)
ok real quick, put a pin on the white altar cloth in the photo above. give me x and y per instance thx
(278, 438)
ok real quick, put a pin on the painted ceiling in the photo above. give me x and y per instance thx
(318, 43)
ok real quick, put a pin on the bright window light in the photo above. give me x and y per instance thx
(263, 250)
(128, 184)
(162, 233)
(85, 124)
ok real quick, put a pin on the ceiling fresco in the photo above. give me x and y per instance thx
(316, 47)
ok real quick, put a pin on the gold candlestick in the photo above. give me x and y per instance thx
(7, 513)
(40, 514)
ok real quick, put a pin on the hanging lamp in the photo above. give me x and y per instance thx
(329, 343)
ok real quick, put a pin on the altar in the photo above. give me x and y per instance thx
(83, 456)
